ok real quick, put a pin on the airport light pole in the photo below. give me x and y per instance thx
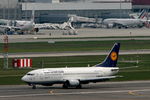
(5, 52)
(8, 10)
(120, 8)
(26, 13)
(4, 12)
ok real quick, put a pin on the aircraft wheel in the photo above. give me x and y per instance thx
(119, 27)
(65, 85)
(33, 86)
(79, 86)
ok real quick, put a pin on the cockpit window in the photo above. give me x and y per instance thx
(30, 74)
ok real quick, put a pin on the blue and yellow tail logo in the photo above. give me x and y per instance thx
(113, 56)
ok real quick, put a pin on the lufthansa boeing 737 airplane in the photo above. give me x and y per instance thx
(75, 77)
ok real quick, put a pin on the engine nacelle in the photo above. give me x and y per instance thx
(110, 25)
(36, 29)
(73, 82)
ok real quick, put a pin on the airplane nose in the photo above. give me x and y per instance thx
(24, 78)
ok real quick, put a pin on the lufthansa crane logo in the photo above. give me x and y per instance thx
(113, 56)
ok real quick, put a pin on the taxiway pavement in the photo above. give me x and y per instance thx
(131, 90)
(73, 53)
(91, 34)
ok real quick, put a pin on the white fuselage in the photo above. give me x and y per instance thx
(59, 75)
(17, 25)
(25, 25)
(123, 22)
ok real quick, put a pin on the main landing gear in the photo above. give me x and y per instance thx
(66, 85)
(33, 86)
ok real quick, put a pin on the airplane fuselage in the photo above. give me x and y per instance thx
(25, 25)
(124, 22)
(60, 75)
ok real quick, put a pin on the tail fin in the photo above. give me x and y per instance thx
(143, 14)
(112, 57)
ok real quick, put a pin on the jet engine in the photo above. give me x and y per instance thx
(73, 82)
(36, 30)
(6, 30)
(110, 25)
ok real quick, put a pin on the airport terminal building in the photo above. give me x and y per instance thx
(140, 4)
(57, 11)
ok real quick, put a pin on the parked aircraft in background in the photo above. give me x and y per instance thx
(75, 77)
(16, 26)
(126, 22)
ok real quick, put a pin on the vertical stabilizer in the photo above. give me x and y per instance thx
(112, 57)
(143, 14)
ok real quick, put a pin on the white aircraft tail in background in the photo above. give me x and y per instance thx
(17, 26)
(142, 15)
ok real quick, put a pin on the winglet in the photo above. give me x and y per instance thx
(112, 57)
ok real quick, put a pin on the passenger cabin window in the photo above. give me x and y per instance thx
(30, 74)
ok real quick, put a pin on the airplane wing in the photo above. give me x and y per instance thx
(4, 26)
(9, 27)
(16, 28)
(128, 67)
